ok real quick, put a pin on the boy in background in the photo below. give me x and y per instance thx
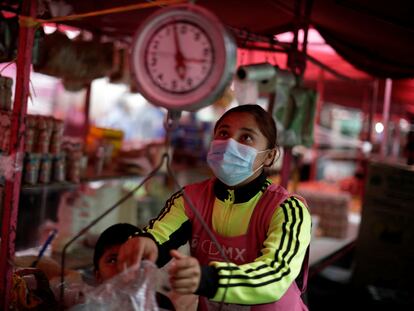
(106, 253)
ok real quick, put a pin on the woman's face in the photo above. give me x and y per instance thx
(108, 264)
(242, 127)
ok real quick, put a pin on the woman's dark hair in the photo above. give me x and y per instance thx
(114, 235)
(263, 119)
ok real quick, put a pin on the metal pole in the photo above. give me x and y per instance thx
(86, 111)
(372, 110)
(12, 185)
(386, 117)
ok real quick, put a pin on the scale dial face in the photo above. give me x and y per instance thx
(183, 58)
(179, 57)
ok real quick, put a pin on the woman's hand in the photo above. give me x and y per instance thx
(136, 249)
(185, 273)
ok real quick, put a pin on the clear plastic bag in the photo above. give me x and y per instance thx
(132, 290)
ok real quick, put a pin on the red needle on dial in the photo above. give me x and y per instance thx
(180, 67)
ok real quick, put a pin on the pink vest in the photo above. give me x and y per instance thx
(240, 249)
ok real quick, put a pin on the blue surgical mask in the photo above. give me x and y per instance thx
(232, 162)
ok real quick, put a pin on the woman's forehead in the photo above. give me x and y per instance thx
(238, 119)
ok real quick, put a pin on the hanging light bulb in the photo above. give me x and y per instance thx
(379, 127)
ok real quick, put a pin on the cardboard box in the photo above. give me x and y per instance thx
(385, 248)
(332, 208)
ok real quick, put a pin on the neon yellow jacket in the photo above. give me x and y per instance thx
(289, 232)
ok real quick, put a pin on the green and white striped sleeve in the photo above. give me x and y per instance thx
(171, 228)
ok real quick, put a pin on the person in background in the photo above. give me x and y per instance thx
(106, 253)
(137, 118)
(106, 250)
(263, 230)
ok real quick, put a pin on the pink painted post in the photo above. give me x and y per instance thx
(320, 87)
(386, 118)
(12, 185)
(373, 109)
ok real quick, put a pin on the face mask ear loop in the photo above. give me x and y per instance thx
(266, 150)
(275, 157)
(257, 169)
(262, 165)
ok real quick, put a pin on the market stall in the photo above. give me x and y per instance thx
(118, 22)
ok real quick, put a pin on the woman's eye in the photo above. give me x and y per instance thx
(111, 260)
(222, 134)
(246, 138)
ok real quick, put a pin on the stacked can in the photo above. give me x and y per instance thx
(57, 137)
(44, 134)
(6, 93)
(45, 171)
(59, 167)
(58, 160)
(44, 160)
(31, 168)
(5, 122)
(74, 152)
(45, 129)
(30, 133)
(73, 172)
(5, 118)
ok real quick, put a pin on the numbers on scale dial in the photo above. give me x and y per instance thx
(179, 57)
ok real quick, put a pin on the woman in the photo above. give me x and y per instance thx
(263, 230)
